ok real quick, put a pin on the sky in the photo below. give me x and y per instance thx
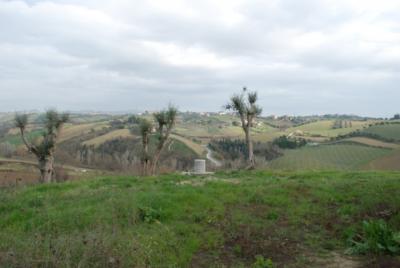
(301, 56)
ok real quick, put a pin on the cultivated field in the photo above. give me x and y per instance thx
(71, 131)
(373, 142)
(114, 134)
(387, 162)
(388, 131)
(336, 156)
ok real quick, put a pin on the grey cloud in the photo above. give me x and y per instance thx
(303, 57)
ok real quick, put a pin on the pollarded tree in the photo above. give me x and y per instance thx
(45, 149)
(145, 130)
(244, 105)
(166, 120)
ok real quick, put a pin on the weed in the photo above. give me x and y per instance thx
(261, 262)
(149, 214)
(273, 216)
(376, 237)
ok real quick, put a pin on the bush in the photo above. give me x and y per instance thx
(377, 238)
(287, 143)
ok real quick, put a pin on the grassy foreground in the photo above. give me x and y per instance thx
(234, 219)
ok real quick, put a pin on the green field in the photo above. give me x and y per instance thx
(372, 142)
(336, 156)
(16, 139)
(388, 131)
(324, 128)
(230, 219)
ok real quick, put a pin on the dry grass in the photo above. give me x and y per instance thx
(119, 133)
(72, 131)
(324, 128)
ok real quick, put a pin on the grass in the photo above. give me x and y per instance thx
(197, 148)
(388, 131)
(336, 156)
(17, 140)
(234, 219)
(373, 142)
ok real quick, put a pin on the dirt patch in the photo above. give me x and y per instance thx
(243, 242)
(383, 262)
(336, 260)
(246, 243)
(16, 178)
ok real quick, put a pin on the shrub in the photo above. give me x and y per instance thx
(377, 238)
(289, 143)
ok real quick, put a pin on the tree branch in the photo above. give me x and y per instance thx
(30, 147)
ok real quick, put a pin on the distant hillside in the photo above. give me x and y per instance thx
(107, 140)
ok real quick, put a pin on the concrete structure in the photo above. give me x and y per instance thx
(199, 166)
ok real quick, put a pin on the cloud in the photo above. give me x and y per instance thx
(308, 56)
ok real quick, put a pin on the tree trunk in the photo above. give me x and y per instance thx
(145, 156)
(160, 147)
(155, 161)
(145, 166)
(46, 167)
(249, 143)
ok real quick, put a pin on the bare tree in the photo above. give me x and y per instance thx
(244, 105)
(165, 122)
(145, 130)
(44, 150)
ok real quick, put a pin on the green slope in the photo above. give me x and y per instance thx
(295, 219)
(387, 131)
(336, 156)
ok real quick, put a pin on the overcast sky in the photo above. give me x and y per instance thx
(302, 56)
